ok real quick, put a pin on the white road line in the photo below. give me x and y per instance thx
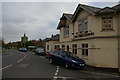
(55, 78)
(7, 67)
(19, 60)
(57, 71)
(56, 74)
(12, 64)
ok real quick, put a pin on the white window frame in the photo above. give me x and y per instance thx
(83, 25)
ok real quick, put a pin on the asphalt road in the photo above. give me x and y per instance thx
(26, 65)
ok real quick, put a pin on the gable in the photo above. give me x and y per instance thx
(82, 15)
(91, 10)
(64, 20)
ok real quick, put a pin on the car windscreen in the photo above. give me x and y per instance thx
(39, 49)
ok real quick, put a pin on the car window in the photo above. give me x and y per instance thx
(70, 54)
(60, 52)
(55, 52)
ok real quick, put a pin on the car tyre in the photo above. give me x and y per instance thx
(51, 61)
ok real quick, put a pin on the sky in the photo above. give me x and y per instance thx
(36, 19)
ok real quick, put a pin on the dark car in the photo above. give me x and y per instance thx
(67, 59)
(23, 49)
(40, 51)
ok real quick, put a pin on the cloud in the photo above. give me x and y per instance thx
(36, 19)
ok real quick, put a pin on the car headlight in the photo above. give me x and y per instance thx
(74, 61)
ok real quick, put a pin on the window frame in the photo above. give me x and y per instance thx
(63, 47)
(57, 47)
(74, 48)
(83, 25)
(85, 50)
(107, 23)
(48, 47)
(66, 31)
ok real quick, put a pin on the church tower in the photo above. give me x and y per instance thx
(24, 38)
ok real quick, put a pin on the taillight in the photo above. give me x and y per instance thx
(49, 54)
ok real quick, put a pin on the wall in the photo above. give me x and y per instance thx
(103, 52)
(51, 45)
(95, 24)
(66, 38)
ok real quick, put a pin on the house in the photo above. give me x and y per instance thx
(51, 42)
(93, 34)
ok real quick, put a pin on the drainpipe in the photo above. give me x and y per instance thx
(119, 41)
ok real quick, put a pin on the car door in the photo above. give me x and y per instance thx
(55, 56)
(61, 57)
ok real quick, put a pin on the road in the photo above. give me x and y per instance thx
(29, 66)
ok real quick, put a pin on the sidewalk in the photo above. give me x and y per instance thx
(102, 70)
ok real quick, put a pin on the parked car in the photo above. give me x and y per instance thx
(40, 51)
(67, 59)
(23, 49)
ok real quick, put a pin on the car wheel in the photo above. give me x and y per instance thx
(51, 61)
(67, 65)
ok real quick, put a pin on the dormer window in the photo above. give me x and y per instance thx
(66, 31)
(107, 23)
(83, 26)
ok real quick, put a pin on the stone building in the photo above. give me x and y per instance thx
(24, 38)
(93, 34)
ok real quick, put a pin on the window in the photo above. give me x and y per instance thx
(83, 25)
(57, 47)
(74, 46)
(107, 23)
(63, 47)
(67, 48)
(85, 49)
(47, 47)
(66, 31)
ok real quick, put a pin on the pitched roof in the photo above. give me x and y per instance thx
(68, 16)
(65, 16)
(53, 38)
(116, 7)
(90, 9)
(106, 10)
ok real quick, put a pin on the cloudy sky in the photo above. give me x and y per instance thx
(36, 19)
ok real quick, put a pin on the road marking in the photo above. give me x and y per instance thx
(56, 74)
(62, 78)
(19, 60)
(6, 67)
